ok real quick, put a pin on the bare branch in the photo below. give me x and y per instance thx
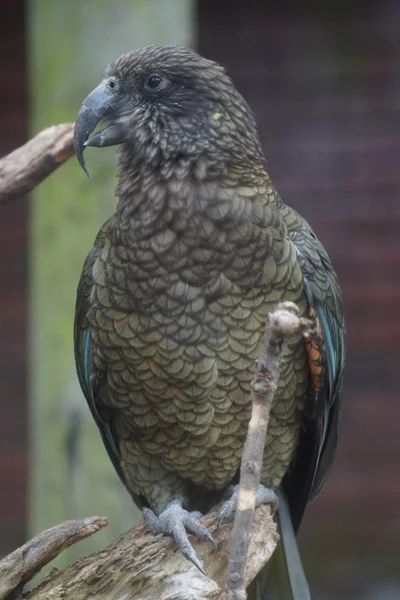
(24, 168)
(284, 322)
(138, 565)
(18, 568)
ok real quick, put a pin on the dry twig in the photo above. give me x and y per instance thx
(282, 323)
(20, 566)
(24, 168)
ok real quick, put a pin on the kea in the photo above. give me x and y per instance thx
(172, 304)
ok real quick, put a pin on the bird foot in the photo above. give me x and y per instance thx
(264, 496)
(176, 522)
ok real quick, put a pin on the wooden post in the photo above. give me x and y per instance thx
(70, 43)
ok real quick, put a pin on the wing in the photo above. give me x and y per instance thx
(326, 354)
(89, 378)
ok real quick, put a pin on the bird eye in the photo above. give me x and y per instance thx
(111, 84)
(154, 82)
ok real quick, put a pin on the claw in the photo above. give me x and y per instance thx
(264, 496)
(193, 525)
(176, 521)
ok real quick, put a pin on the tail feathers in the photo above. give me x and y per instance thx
(283, 577)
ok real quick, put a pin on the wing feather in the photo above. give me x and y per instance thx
(326, 354)
(90, 379)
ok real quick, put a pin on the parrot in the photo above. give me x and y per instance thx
(172, 303)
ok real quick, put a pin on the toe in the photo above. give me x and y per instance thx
(227, 510)
(264, 496)
(178, 533)
(267, 496)
(152, 521)
(193, 525)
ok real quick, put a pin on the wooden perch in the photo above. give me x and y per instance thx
(141, 566)
(20, 566)
(24, 168)
(282, 323)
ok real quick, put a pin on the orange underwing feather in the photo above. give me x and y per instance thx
(314, 349)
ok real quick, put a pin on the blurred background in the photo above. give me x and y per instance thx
(323, 79)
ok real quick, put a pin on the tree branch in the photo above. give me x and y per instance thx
(20, 566)
(282, 323)
(24, 168)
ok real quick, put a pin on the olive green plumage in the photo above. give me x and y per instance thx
(173, 297)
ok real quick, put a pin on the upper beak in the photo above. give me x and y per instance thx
(97, 106)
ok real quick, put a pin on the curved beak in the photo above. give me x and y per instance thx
(96, 107)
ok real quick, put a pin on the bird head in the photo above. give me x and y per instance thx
(166, 104)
